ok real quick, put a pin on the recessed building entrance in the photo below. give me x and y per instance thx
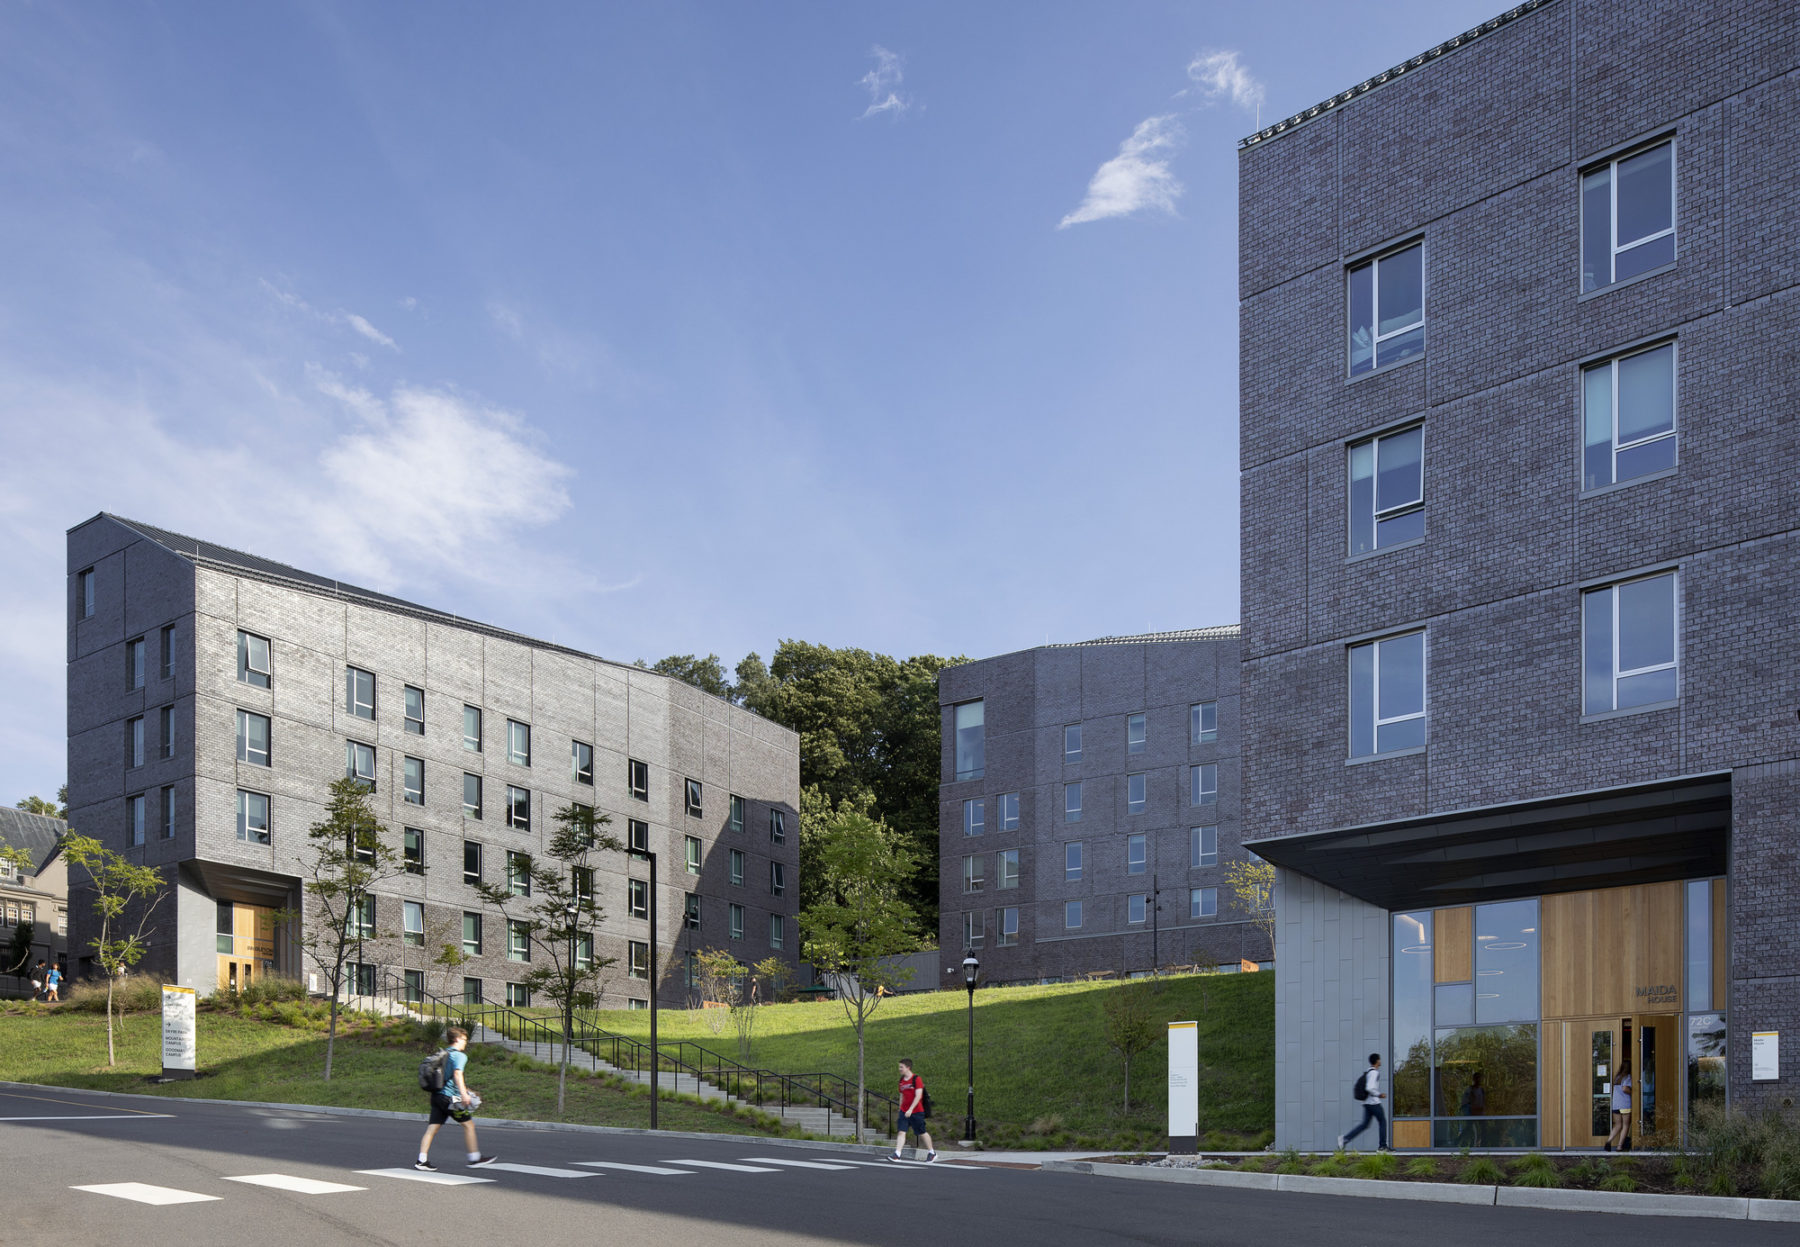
(246, 944)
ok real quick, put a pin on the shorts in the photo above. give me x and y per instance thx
(442, 1110)
(914, 1122)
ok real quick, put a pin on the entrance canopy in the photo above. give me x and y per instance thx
(1646, 833)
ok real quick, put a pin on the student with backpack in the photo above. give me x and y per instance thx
(441, 1078)
(915, 1107)
(1368, 1090)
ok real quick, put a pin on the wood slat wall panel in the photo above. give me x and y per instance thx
(1550, 1128)
(1453, 950)
(1600, 947)
(1412, 1134)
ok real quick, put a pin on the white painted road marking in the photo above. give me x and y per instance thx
(144, 1193)
(613, 1164)
(542, 1171)
(798, 1164)
(719, 1164)
(419, 1175)
(91, 1117)
(301, 1186)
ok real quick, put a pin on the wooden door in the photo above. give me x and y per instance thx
(1590, 1046)
(1656, 1106)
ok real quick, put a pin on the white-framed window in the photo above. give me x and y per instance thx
(412, 923)
(690, 911)
(1072, 861)
(1203, 784)
(734, 915)
(518, 941)
(637, 835)
(413, 985)
(518, 807)
(736, 818)
(1203, 722)
(691, 854)
(412, 850)
(1006, 869)
(637, 898)
(1628, 416)
(694, 795)
(974, 928)
(134, 818)
(518, 873)
(584, 951)
(581, 762)
(253, 660)
(252, 817)
(1628, 216)
(518, 996)
(777, 879)
(1072, 742)
(637, 778)
(84, 592)
(1137, 908)
(1387, 490)
(1387, 309)
(777, 931)
(413, 777)
(1009, 811)
(971, 740)
(253, 738)
(168, 813)
(167, 733)
(974, 816)
(359, 693)
(1137, 853)
(518, 742)
(362, 919)
(1630, 643)
(472, 729)
(134, 663)
(1072, 802)
(134, 741)
(1387, 695)
(471, 933)
(471, 861)
(974, 872)
(166, 669)
(359, 762)
(737, 867)
(1071, 915)
(471, 795)
(1203, 902)
(1137, 733)
(581, 884)
(1006, 926)
(1203, 847)
(414, 710)
(1136, 790)
(777, 826)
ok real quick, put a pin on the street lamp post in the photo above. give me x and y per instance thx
(644, 855)
(971, 971)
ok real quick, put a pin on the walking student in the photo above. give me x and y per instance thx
(53, 984)
(912, 1114)
(455, 1100)
(1620, 1138)
(1371, 1095)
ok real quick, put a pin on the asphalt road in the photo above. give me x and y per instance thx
(56, 1143)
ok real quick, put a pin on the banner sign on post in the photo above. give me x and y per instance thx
(1765, 1055)
(1184, 1088)
(178, 1031)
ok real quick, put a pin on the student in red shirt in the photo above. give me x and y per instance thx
(912, 1113)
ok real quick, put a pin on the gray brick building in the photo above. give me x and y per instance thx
(213, 696)
(1521, 562)
(1089, 807)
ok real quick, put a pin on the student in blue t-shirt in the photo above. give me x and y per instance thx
(53, 984)
(455, 1100)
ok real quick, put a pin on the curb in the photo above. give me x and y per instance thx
(1622, 1202)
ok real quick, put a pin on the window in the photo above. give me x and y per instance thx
(777, 931)
(253, 659)
(518, 941)
(1009, 811)
(736, 914)
(637, 898)
(360, 845)
(168, 813)
(518, 996)
(1006, 927)
(693, 797)
(134, 663)
(1203, 784)
(1072, 915)
(253, 738)
(1387, 490)
(414, 769)
(1135, 786)
(1628, 655)
(777, 879)
(84, 584)
(737, 813)
(1136, 733)
(471, 941)
(1072, 743)
(1203, 847)
(166, 670)
(974, 928)
(412, 922)
(359, 762)
(1137, 908)
(974, 817)
(1203, 722)
(971, 740)
(1137, 853)
(637, 835)
(1628, 217)
(361, 977)
(777, 827)
(134, 818)
(974, 873)
(581, 762)
(1628, 417)
(414, 985)
(471, 861)
(1072, 802)
(638, 959)
(471, 993)
(1072, 861)
(691, 854)
(415, 710)
(581, 884)
(134, 741)
(412, 850)
(167, 734)
(471, 795)
(518, 807)
(1006, 869)
(737, 866)
(359, 693)
(1387, 695)
(1203, 902)
(1387, 309)
(637, 778)
(252, 817)
(518, 743)
(362, 919)
(518, 873)
(690, 911)
(472, 729)
(584, 951)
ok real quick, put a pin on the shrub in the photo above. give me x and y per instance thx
(1546, 1177)
(1330, 1167)
(1731, 1153)
(1422, 1167)
(270, 990)
(1045, 1125)
(1375, 1165)
(1291, 1162)
(1618, 1182)
(1532, 1162)
(1482, 1171)
(135, 993)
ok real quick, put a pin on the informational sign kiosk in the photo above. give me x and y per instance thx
(1184, 1088)
(178, 1032)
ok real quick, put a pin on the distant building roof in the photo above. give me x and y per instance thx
(37, 834)
(1223, 632)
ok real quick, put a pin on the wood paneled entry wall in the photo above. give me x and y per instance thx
(246, 944)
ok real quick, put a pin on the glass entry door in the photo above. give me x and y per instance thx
(1596, 1051)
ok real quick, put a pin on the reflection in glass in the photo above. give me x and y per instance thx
(1506, 962)
(1455, 1004)
(1412, 1014)
(1487, 1071)
(1699, 944)
(1705, 1061)
(971, 740)
(1600, 1062)
(1485, 1132)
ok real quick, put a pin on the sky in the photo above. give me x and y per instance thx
(648, 329)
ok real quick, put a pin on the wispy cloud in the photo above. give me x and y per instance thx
(369, 331)
(1220, 75)
(1138, 178)
(883, 85)
(576, 358)
(357, 323)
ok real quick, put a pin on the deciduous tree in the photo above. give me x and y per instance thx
(1252, 885)
(125, 899)
(1130, 1024)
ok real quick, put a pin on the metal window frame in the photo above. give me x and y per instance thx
(1376, 513)
(637, 898)
(247, 832)
(1073, 909)
(513, 791)
(974, 816)
(406, 786)
(1198, 792)
(578, 773)
(1611, 364)
(1376, 337)
(1009, 822)
(1004, 880)
(1198, 857)
(1075, 755)
(1198, 732)
(734, 917)
(1611, 164)
(690, 854)
(1072, 874)
(480, 795)
(246, 751)
(736, 864)
(1142, 720)
(1140, 779)
(1616, 673)
(1378, 722)
(1196, 902)
(974, 873)
(1134, 901)
(406, 709)
(515, 755)
(474, 747)
(352, 704)
(1140, 863)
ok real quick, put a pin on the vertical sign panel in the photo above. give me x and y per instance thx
(1184, 1087)
(1765, 1055)
(178, 1031)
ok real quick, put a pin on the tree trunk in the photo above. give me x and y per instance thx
(1128, 1084)
(331, 1035)
(859, 1074)
(562, 1075)
(110, 1060)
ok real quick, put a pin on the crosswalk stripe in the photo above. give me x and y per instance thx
(418, 1175)
(542, 1171)
(144, 1193)
(719, 1164)
(798, 1164)
(613, 1164)
(302, 1186)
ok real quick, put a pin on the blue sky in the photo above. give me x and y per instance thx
(649, 329)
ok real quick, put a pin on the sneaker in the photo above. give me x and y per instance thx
(897, 1156)
(1341, 1143)
(425, 1166)
(930, 1156)
(485, 1160)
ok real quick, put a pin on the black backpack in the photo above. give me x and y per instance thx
(925, 1104)
(431, 1071)
(1361, 1089)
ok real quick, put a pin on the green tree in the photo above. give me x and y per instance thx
(1129, 1023)
(1252, 886)
(18, 950)
(58, 808)
(706, 674)
(859, 922)
(754, 687)
(345, 856)
(559, 917)
(125, 899)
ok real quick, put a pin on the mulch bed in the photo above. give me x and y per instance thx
(1652, 1172)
